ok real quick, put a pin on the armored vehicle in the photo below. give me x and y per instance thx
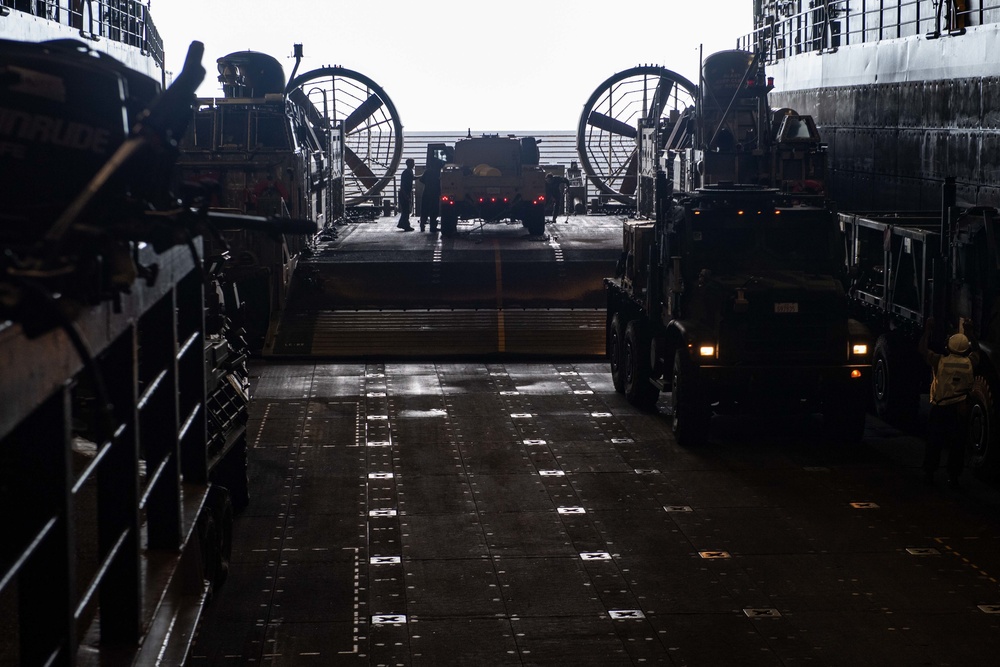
(491, 178)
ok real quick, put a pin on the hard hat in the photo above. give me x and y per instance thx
(958, 344)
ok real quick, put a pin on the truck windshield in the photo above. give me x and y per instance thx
(728, 243)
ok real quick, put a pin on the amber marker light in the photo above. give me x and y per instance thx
(706, 350)
(855, 373)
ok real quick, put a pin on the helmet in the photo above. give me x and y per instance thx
(958, 344)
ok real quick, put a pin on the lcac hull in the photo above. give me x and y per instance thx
(900, 115)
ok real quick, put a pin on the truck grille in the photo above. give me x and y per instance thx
(792, 339)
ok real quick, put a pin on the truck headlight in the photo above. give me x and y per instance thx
(706, 350)
(859, 349)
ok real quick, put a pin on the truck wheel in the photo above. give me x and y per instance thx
(232, 474)
(639, 391)
(222, 509)
(534, 220)
(208, 543)
(615, 352)
(982, 429)
(215, 538)
(449, 222)
(692, 415)
(894, 390)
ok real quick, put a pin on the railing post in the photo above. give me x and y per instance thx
(118, 501)
(47, 581)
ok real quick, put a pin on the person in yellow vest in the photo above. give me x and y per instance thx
(953, 375)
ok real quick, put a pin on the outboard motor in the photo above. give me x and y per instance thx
(65, 110)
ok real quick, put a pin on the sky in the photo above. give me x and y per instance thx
(451, 65)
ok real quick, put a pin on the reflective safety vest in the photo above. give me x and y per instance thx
(952, 379)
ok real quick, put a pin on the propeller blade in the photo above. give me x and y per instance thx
(660, 98)
(360, 169)
(319, 123)
(631, 178)
(613, 125)
(362, 113)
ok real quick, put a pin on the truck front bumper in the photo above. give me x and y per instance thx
(766, 384)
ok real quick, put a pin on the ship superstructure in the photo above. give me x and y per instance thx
(123, 29)
(904, 92)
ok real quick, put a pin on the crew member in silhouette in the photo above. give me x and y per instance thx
(430, 203)
(554, 194)
(406, 198)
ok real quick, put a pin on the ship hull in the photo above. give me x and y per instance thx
(900, 115)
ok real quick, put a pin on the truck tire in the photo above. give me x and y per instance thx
(982, 443)
(639, 391)
(222, 509)
(616, 342)
(692, 415)
(534, 220)
(894, 391)
(232, 474)
(215, 538)
(208, 543)
(449, 222)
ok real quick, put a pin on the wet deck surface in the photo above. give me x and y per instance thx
(428, 507)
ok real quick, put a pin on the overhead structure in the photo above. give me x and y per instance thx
(373, 134)
(606, 140)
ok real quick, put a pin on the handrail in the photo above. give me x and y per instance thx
(122, 21)
(833, 23)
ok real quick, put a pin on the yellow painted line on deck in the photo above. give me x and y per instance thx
(968, 563)
(501, 335)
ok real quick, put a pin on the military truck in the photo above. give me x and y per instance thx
(733, 296)
(491, 178)
(908, 267)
